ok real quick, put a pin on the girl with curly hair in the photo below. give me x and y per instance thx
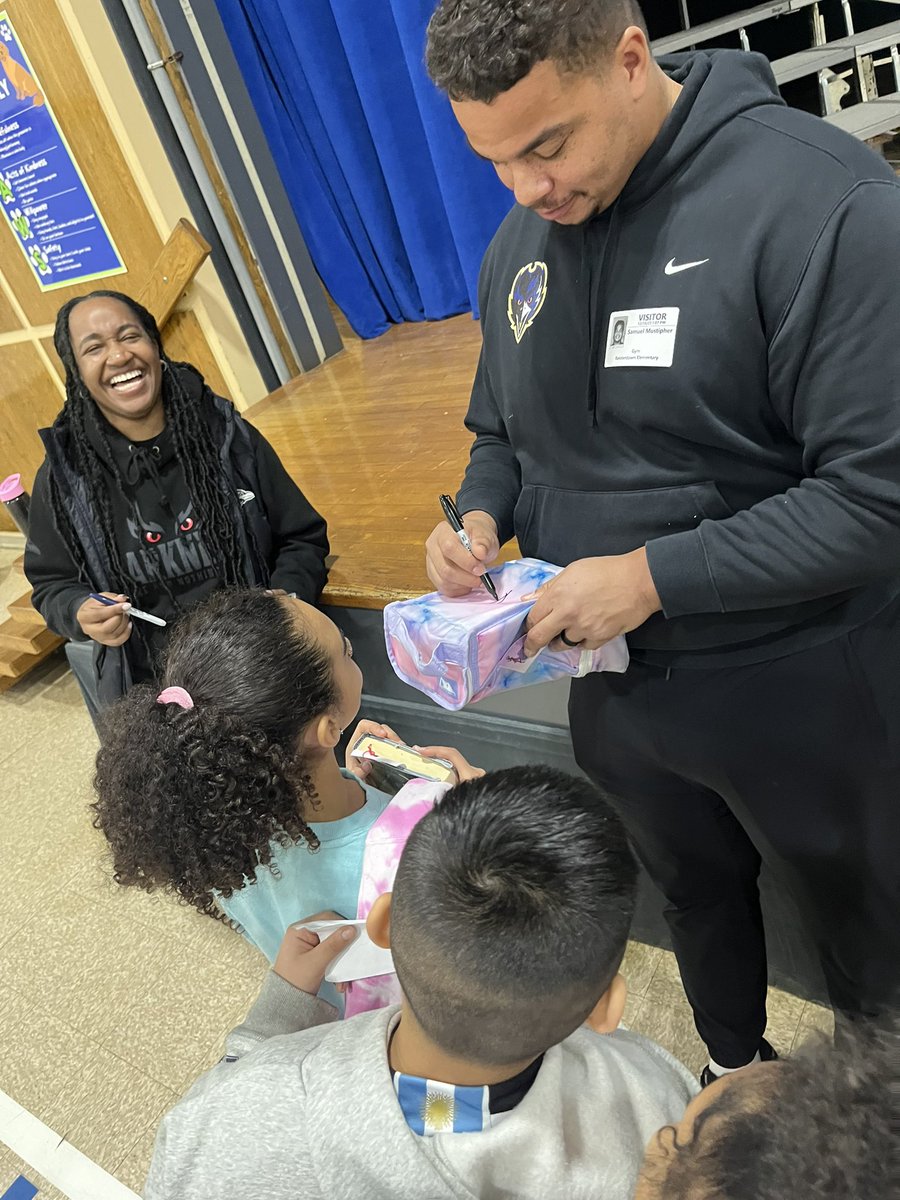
(219, 786)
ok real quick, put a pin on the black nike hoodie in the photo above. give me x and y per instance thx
(761, 468)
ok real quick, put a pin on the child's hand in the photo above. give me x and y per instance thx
(303, 959)
(359, 766)
(463, 768)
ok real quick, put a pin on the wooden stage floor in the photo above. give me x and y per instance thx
(373, 437)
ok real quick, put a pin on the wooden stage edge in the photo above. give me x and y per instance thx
(373, 436)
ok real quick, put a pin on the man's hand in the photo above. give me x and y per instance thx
(463, 768)
(361, 767)
(592, 601)
(451, 568)
(108, 624)
(303, 959)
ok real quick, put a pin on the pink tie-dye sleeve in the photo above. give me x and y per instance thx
(384, 845)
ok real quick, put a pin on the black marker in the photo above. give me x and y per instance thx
(454, 520)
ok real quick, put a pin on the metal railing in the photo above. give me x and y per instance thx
(862, 51)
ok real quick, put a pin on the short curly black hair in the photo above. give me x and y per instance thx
(478, 49)
(822, 1124)
(191, 800)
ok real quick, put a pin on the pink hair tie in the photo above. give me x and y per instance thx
(175, 695)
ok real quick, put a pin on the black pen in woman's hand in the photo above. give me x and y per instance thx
(454, 520)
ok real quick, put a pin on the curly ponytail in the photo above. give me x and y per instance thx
(191, 800)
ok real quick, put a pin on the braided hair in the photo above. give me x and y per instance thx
(197, 453)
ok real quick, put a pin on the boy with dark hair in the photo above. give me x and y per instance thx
(484, 911)
(508, 923)
(826, 1123)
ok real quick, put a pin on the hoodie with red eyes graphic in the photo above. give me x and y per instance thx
(161, 538)
(151, 534)
(158, 537)
(159, 531)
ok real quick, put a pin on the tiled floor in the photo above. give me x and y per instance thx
(112, 1001)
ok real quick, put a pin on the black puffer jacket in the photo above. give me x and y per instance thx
(284, 540)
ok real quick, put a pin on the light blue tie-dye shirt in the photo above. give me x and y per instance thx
(307, 882)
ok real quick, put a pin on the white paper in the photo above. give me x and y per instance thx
(360, 960)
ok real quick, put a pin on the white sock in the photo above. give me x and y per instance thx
(720, 1071)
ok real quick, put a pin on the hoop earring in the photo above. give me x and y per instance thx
(164, 364)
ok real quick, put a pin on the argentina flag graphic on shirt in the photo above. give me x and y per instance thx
(431, 1107)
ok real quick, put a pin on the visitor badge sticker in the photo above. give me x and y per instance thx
(641, 337)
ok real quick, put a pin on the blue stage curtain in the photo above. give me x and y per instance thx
(396, 209)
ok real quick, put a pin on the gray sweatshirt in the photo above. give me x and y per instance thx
(312, 1115)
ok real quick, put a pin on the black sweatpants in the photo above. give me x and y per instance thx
(796, 760)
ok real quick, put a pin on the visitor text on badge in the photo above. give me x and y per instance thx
(641, 337)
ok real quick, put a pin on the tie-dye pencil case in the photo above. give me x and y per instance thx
(460, 650)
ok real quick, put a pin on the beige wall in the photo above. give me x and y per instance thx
(159, 188)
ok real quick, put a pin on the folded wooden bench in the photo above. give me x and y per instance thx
(870, 118)
(820, 58)
(711, 30)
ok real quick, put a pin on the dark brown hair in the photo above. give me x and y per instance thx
(823, 1124)
(510, 913)
(478, 49)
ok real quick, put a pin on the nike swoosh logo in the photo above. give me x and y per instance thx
(671, 269)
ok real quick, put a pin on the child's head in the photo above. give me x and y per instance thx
(510, 914)
(190, 798)
(825, 1123)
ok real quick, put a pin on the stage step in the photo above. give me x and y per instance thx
(25, 612)
(22, 636)
(16, 663)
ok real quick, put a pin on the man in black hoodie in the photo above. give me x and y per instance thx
(688, 397)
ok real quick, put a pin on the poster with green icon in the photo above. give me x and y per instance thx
(43, 195)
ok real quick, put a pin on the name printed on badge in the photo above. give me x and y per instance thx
(641, 337)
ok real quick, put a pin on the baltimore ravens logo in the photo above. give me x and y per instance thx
(526, 296)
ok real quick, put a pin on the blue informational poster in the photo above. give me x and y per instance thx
(43, 195)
